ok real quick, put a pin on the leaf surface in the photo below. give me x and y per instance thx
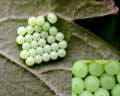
(52, 78)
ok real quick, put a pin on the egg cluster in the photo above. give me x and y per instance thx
(41, 41)
(96, 78)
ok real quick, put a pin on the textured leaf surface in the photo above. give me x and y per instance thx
(53, 78)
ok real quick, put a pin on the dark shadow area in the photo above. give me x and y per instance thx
(107, 27)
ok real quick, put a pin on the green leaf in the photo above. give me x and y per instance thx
(52, 78)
